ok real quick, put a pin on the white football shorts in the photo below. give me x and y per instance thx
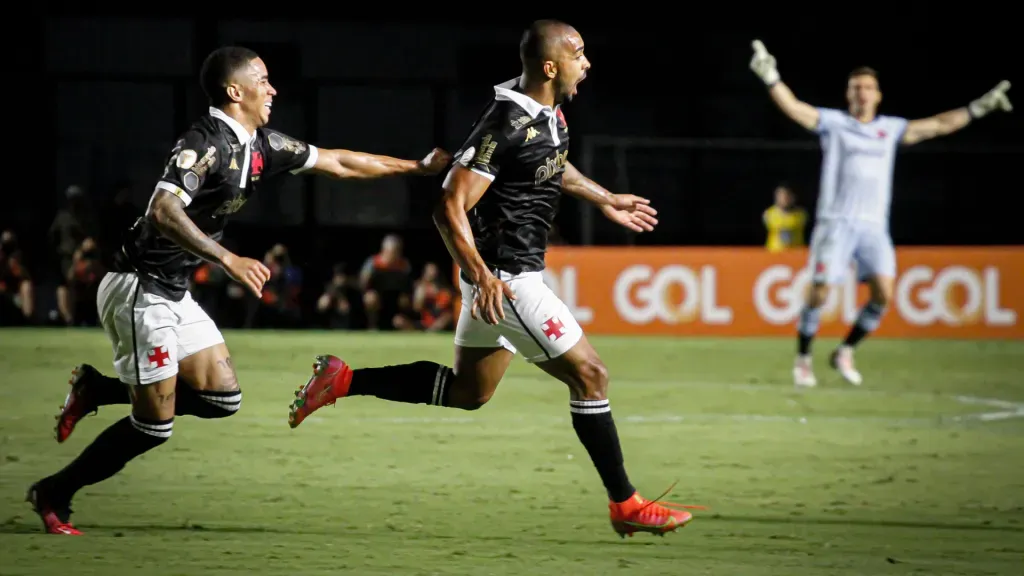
(537, 323)
(150, 334)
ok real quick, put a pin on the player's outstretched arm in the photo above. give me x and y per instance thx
(345, 164)
(463, 188)
(954, 120)
(630, 211)
(763, 64)
(167, 214)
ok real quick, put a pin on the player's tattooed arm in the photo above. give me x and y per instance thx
(346, 164)
(167, 213)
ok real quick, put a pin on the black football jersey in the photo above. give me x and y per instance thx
(214, 168)
(522, 147)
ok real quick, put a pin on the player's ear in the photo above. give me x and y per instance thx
(234, 92)
(550, 69)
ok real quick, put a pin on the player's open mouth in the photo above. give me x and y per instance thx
(267, 106)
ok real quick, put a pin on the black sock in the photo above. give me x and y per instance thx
(867, 321)
(592, 420)
(417, 383)
(804, 345)
(106, 390)
(857, 333)
(205, 403)
(124, 440)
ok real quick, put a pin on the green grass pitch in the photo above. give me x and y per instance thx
(918, 471)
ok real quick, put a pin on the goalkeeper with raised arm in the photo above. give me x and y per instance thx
(855, 192)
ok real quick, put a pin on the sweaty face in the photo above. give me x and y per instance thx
(572, 66)
(863, 94)
(256, 92)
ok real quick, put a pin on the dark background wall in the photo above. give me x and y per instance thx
(119, 91)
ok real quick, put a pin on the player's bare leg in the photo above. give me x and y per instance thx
(582, 370)
(867, 321)
(149, 425)
(207, 387)
(468, 386)
(807, 328)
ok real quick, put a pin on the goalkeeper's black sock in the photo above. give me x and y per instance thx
(592, 420)
(124, 440)
(417, 383)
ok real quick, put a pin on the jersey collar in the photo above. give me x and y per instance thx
(243, 136)
(506, 91)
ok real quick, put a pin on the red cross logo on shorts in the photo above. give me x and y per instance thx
(553, 329)
(159, 356)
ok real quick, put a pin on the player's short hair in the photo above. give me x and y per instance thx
(537, 40)
(863, 71)
(218, 68)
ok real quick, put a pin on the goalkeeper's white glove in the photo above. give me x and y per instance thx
(763, 64)
(995, 99)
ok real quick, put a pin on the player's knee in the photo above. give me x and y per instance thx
(881, 299)
(469, 393)
(817, 295)
(593, 379)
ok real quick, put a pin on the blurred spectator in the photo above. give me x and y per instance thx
(784, 221)
(386, 281)
(431, 302)
(334, 305)
(16, 297)
(82, 283)
(71, 226)
(279, 307)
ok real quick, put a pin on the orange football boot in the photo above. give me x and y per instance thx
(330, 381)
(639, 514)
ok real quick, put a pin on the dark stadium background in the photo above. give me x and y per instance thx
(119, 90)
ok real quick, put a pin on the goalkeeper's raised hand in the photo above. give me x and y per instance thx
(994, 99)
(763, 64)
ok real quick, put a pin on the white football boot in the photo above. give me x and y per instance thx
(803, 375)
(842, 360)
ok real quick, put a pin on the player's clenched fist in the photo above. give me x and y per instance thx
(250, 273)
(436, 161)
